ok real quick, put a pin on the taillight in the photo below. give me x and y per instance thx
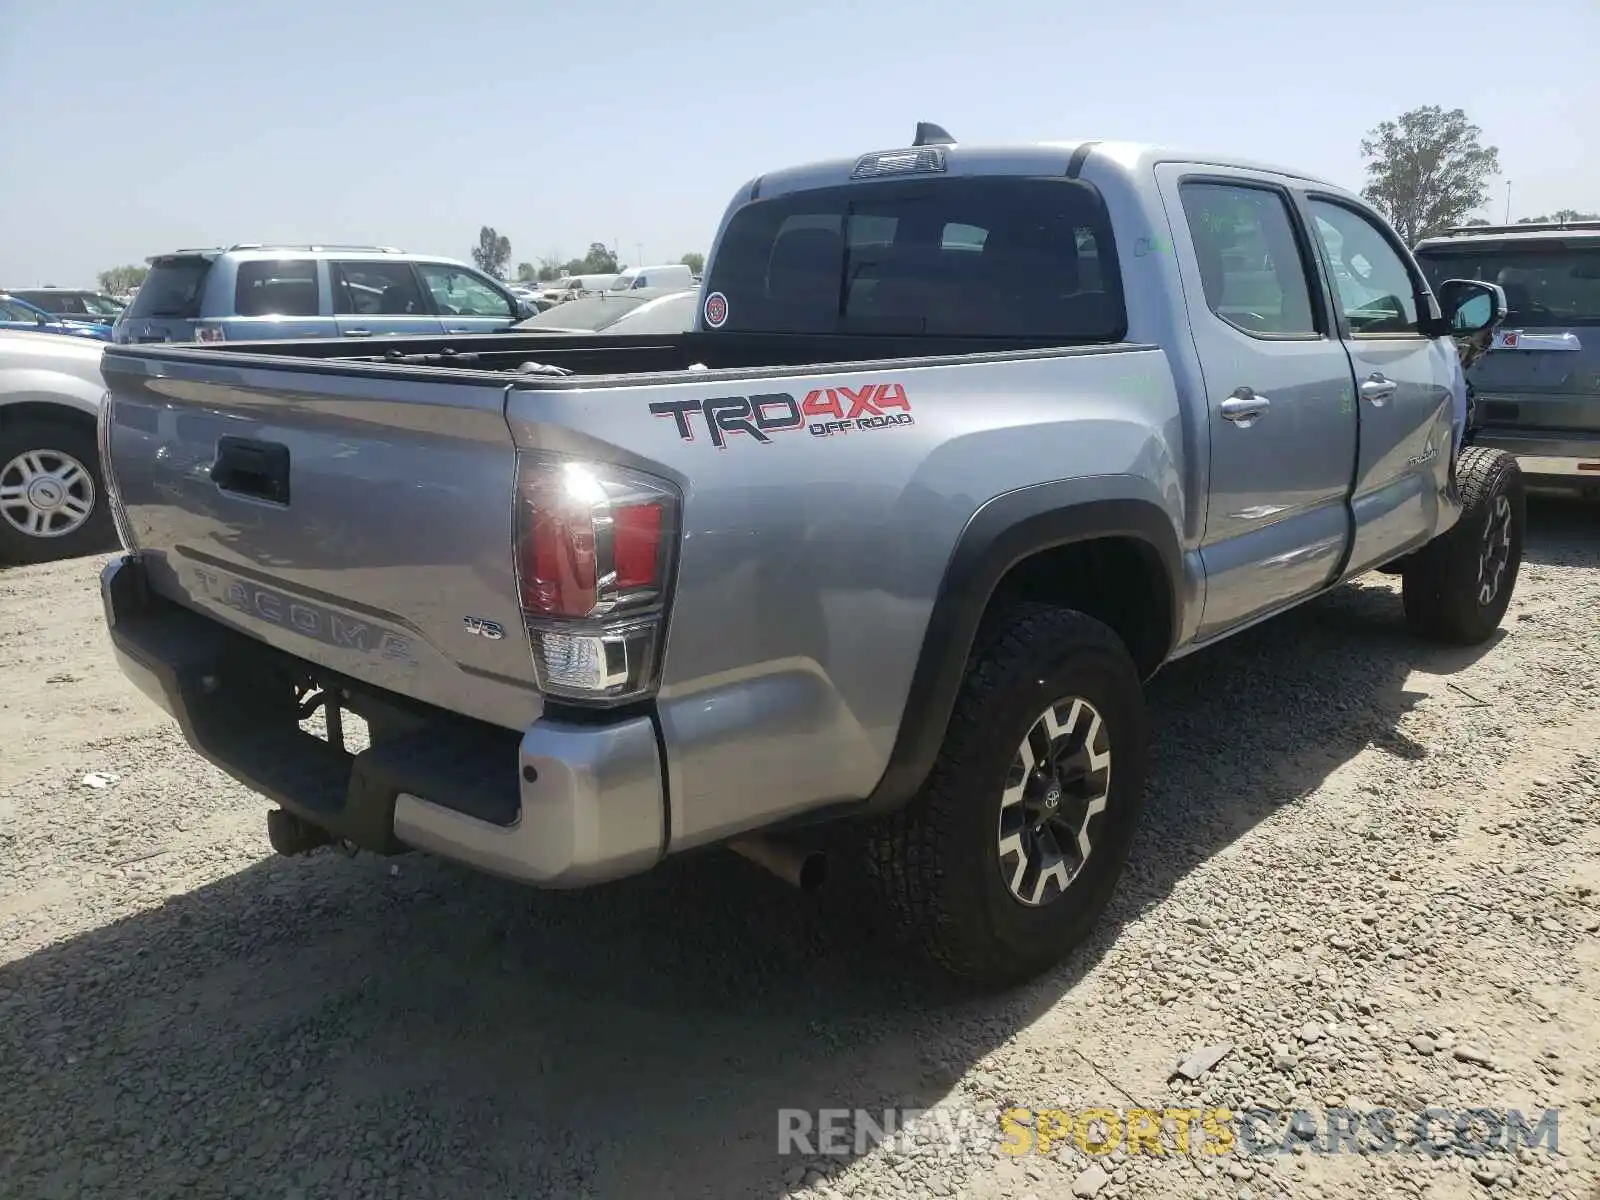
(595, 547)
(108, 478)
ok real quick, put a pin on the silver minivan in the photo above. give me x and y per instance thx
(1536, 392)
(249, 291)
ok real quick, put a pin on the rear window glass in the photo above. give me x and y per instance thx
(953, 257)
(283, 288)
(1551, 285)
(171, 289)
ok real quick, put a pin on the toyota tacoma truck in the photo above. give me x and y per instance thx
(964, 445)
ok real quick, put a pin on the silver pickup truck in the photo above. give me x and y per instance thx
(965, 444)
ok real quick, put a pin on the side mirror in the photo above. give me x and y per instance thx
(1469, 306)
(526, 308)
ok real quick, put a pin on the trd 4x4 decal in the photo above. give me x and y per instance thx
(823, 413)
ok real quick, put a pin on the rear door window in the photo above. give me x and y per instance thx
(959, 257)
(171, 289)
(1250, 262)
(371, 289)
(1546, 283)
(277, 288)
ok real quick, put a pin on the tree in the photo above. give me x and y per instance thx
(695, 262)
(526, 273)
(1428, 170)
(1559, 217)
(599, 260)
(550, 266)
(120, 280)
(492, 252)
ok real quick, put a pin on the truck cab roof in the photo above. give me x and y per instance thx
(1036, 158)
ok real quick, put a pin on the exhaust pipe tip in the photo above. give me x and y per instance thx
(290, 836)
(801, 868)
(812, 871)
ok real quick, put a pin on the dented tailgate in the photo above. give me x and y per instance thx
(361, 523)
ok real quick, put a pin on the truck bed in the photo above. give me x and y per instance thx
(356, 513)
(602, 358)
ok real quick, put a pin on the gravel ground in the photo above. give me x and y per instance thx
(1369, 866)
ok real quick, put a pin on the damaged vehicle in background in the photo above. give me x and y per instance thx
(1536, 392)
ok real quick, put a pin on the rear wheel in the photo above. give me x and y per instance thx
(1457, 588)
(1006, 858)
(52, 504)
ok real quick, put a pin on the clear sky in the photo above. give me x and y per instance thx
(133, 127)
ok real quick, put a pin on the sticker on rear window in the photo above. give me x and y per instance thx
(716, 310)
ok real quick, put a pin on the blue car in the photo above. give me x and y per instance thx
(19, 314)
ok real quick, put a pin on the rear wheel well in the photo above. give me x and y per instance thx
(1119, 581)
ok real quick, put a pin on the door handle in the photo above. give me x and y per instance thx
(1377, 388)
(358, 333)
(1244, 407)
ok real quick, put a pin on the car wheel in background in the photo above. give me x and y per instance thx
(52, 504)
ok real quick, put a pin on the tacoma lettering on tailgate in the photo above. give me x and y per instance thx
(311, 620)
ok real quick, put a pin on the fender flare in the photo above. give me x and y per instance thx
(999, 535)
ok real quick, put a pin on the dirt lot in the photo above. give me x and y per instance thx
(1371, 866)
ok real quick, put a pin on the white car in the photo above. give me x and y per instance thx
(52, 501)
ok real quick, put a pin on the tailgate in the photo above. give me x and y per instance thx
(1541, 378)
(361, 523)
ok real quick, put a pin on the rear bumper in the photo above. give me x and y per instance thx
(1566, 459)
(560, 805)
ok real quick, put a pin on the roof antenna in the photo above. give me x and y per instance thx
(929, 134)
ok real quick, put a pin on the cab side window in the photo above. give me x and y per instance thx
(1250, 263)
(1375, 290)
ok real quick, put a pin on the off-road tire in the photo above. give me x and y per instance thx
(936, 862)
(97, 533)
(1443, 583)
